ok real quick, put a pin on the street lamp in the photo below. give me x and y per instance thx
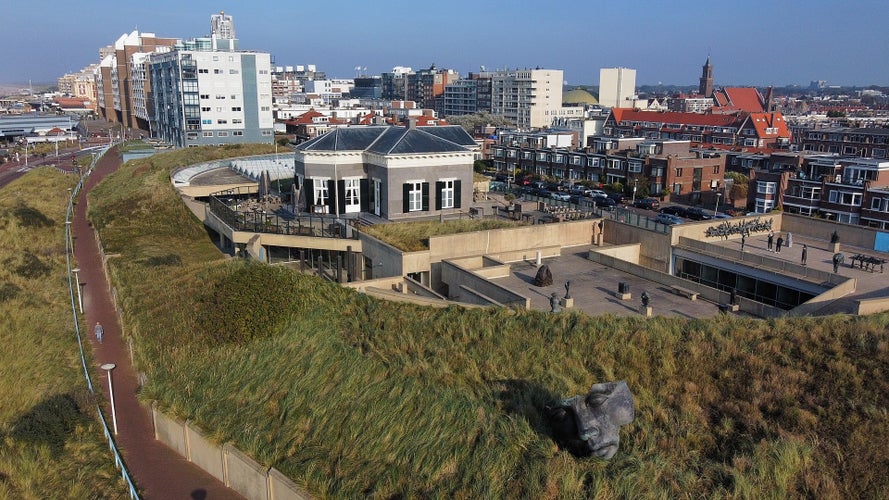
(76, 271)
(634, 191)
(718, 196)
(108, 367)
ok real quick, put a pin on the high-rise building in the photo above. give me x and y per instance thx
(222, 26)
(205, 91)
(706, 86)
(115, 86)
(528, 97)
(617, 86)
(395, 83)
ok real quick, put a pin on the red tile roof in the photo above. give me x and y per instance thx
(738, 99)
(762, 122)
(629, 114)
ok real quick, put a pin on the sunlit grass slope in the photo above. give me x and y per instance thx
(352, 396)
(51, 445)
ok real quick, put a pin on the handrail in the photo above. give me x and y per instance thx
(118, 458)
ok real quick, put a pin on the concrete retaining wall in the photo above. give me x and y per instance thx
(456, 277)
(204, 453)
(228, 464)
(244, 475)
(873, 306)
(850, 234)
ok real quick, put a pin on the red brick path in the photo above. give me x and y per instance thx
(159, 472)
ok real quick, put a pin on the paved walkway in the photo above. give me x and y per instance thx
(159, 472)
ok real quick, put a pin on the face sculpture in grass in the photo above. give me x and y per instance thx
(590, 424)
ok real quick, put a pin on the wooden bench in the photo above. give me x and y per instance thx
(691, 294)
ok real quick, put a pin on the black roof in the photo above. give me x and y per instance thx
(387, 140)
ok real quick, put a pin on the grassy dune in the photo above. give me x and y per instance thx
(51, 445)
(352, 396)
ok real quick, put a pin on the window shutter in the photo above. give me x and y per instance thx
(405, 197)
(364, 194)
(425, 196)
(341, 196)
(331, 197)
(439, 186)
(457, 193)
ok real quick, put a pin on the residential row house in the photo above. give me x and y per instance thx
(738, 130)
(660, 166)
(847, 189)
(845, 141)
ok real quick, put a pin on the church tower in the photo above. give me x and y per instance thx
(706, 87)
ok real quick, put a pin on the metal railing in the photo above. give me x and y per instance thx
(69, 250)
(262, 221)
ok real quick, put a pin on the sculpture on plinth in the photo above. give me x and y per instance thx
(589, 424)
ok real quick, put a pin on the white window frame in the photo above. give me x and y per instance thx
(352, 194)
(447, 194)
(320, 192)
(415, 196)
(766, 187)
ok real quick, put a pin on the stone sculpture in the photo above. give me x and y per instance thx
(544, 276)
(589, 424)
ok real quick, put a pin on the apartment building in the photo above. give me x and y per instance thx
(617, 86)
(652, 166)
(206, 92)
(530, 98)
(846, 141)
(745, 130)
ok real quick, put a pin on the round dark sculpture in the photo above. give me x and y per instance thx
(589, 424)
(544, 276)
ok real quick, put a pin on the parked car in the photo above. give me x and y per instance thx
(579, 190)
(618, 197)
(677, 210)
(721, 215)
(603, 201)
(560, 196)
(668, 219)
(597, 192)
(697, 213)
(647, 203)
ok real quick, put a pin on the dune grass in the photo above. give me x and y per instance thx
(414, 236)
(51, 445)
(352, 396)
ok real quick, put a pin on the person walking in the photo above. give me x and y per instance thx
(770, 239)
(778, 243)
(743, 240)
(100, 332)
(805, 254)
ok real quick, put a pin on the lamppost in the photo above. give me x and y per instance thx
(634, 191)
(76, 271)
(718, 197)
(108, 367)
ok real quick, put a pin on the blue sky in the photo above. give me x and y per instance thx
(752, 42)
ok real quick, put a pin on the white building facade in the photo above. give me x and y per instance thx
(531, 98)
(205, 92)
(617, 87)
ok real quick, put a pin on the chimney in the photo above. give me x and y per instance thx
(411, 123)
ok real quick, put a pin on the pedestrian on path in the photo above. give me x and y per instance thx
(743, 240)
(770, 239)
(100, 332)
(805, 254)
(778, 244)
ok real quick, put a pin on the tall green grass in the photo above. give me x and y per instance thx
(51, 445)
(352, 396)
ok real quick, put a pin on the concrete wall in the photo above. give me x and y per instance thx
(228, 464)
(245, 475)
(873, 306)
(697, 230)
(169, 431)
(456, 277)
(524, 239)
(655, 247)
(815, 303)
(204, 453)
(469, 296)
(850, 234)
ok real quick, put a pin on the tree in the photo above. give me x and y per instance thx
(471, 122)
